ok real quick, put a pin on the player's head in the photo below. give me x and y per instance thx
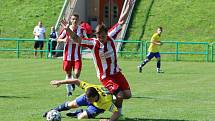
(52, 28)
(92, 94)
(40, 24)
(74, 19)
(159, 30)
(101, 32)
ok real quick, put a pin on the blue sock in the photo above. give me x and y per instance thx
(158, 64)
(144, 62)
(62, 107)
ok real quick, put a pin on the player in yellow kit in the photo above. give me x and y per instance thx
(153, 50)
(96, 97)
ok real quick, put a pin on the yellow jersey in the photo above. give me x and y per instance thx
(153, 47)
(105, 101)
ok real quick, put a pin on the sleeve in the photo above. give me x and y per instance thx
(62, 34)
(113, 108)
(113, 32)
(35, 29)
(88, 42)
(154, 36)
(84, 85)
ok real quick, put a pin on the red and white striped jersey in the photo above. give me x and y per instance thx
(104, 54)
(72, 51)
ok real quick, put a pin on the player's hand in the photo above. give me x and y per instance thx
(55, 82)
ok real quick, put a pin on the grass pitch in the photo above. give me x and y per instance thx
(184, 92)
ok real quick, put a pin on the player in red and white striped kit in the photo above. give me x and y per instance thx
(72, 61)
(105, 58)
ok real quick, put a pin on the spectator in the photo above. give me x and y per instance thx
(39, 36)
(52, 41)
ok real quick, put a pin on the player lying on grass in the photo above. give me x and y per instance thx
(96, 97)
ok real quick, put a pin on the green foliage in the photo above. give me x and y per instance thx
(184, 92)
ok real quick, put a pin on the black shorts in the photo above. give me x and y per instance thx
(38, 44)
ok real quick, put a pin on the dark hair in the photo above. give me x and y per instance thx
(91, 92)
(101, 28)
(76, 15)
(161, 28)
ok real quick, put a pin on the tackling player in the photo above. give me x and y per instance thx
(96, 97)
(105, 58)
(153, 50)
(72, 60)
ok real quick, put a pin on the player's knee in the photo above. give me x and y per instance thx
(73, 104)
(127, 95)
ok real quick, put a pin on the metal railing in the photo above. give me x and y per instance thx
(177, 49)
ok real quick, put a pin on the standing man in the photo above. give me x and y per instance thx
(72, 61)
(52, 41)
(105, 58)
(153, 50)
(39, 36)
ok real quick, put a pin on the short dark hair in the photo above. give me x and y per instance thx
(76, 15)
(161, 28)
(101, 28)
(91, 92)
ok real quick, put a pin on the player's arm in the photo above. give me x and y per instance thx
(125, 13)
(66, 81)
(114, 117)
(157, 42)
(73, 35)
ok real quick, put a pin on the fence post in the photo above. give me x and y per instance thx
(141, 51)
(212, 53)
(47, 48)
(146, 48)
(207, 49)
(177, 48)
(17, 48)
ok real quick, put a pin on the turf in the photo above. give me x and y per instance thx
(184, 92)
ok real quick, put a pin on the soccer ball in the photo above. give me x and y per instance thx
(53, 115)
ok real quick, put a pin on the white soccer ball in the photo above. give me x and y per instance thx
(53, 115)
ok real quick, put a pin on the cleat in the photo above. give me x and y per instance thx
(140, 69)
(74, 113)
(69, 94)
(160, 71)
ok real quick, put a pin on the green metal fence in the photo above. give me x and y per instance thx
(142, 52)
(17, 48)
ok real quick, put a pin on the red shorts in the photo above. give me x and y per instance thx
(115, 82)
(69, 65)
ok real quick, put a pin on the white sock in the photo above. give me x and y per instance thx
(68, 86)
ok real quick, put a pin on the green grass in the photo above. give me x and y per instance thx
(182, 20)
(184, 92)
(19, 17)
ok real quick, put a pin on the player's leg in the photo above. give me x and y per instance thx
(80, 101)
(150, 55)
(125, 92)
(67, 67)
(41, 48)
(64, 107)
(90, 112)
(36, 45)
(158, 57)
(77, 70)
